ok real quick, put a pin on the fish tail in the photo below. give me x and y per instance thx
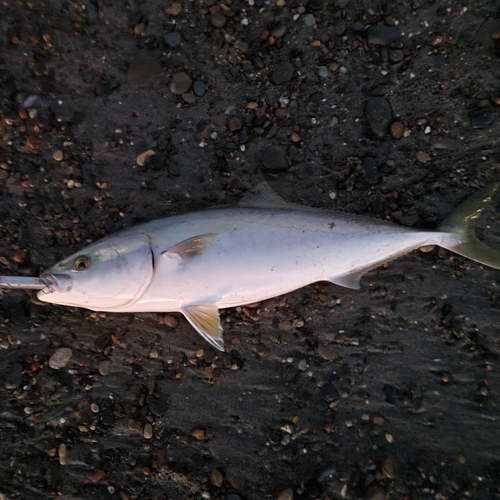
(460, 225)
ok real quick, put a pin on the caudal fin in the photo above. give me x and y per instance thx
(460, 223)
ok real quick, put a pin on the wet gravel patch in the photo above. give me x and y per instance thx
(113, 115)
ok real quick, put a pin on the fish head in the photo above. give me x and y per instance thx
(111, 273)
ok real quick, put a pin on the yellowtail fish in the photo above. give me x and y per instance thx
(200, 262)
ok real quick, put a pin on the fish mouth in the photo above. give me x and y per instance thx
(58, 283)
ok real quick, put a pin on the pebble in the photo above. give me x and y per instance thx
(142, 69)
(157, 406)
(3, 174)
(174, 9)
(283, 73)
(370, 171)
(60, 358)
(188, 98)
(389, 468)
(218, 20)
(482, 118)
(173, 39)
(170, 321)
(309, 20)
(397, 130)
(396, 56)
(198, 434)
(423, 157)
(286, 494)
(19, 256)
(199, 88)
(58, 155)
(142, 159)
(382, 35)
(62, 454)
(180, 83)
(14, 376)
(216, 478)
(104, 366)
(444, 143)
(378, 114)
(148, 431)
(324, 352)
(325, 473)
(274, 159)
(97, 476)
(323, 72)
(234, 124)
(279, 31)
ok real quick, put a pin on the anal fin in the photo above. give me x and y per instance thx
(205, 320)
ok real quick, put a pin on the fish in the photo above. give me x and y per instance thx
(231, 255)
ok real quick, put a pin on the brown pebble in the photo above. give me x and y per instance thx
(216, 478)
(3, 174)
(62, 454)
(142, 158)
(60, 358)
(397, 130)
(148, 431)
(389, 468)
(97, 476)
(378, 420)
(174, 9)
(140, 29)
(286, 494)
(58, 155)
(188, 98)
(427, 248)
(324, 352)
(231, 480)
(170, 321)
(198, 434)
(19, 256)
(104, 366)
(423, 157)
(33, 143)
(294, 137)
(252, 105)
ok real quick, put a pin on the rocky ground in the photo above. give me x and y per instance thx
(113, 113)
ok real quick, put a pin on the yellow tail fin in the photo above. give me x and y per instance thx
(460, 223)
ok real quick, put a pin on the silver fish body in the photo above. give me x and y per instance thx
(200, 262)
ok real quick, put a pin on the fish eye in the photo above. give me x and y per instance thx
(81, 263)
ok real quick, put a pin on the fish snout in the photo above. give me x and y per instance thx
(59, 283)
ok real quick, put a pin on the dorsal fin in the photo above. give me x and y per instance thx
(262, 196)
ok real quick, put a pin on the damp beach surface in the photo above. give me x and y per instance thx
(112, 115)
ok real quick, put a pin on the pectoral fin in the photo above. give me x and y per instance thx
(192, 247)
(206, 321)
